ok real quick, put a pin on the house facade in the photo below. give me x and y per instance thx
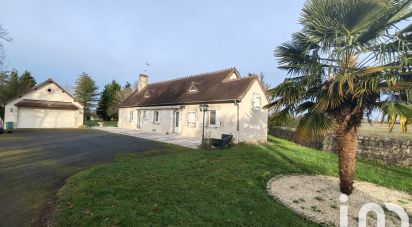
(46, 105)
(173, 107)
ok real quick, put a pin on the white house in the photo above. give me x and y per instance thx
(235, 106)
(46, 105)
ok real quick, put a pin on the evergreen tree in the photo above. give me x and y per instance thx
(12, 85)
(26, 81)
(107, 106)
(86, 93)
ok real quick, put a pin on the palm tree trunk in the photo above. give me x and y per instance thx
(346, 144)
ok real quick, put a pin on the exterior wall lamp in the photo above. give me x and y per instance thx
(203, 108)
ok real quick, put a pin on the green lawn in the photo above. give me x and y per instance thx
(180, 187)
(105, 123)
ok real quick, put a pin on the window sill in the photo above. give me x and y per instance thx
(213, 126)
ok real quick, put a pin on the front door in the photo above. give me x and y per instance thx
(139, 119)
(176, 122)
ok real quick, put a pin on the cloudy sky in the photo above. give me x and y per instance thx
(114, 39)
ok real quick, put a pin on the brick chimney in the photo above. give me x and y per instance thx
(142, 81)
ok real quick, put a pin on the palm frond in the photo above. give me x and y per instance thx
(395, 12)
(282, 116)
(314, 124)
(394, 110)
(332, 98)
(289, 91)
(335, 21)
(305, 106)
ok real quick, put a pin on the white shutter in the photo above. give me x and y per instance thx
(217, 118)
(256, 103)
(191, 119)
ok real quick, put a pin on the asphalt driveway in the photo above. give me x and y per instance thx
(34, 164)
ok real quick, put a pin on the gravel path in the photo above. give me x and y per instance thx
(317, 198)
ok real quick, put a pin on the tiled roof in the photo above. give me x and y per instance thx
(212, 87)
(46, 104)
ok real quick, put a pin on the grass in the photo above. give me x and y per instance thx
(181, 187)
(95, 123)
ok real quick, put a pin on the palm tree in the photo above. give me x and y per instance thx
(349, 60)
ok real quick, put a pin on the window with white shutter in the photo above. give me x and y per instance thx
(218, 123)
(145, 115)
(131, 116)
(257, 101)
(191, 120)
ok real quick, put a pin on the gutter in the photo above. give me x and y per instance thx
(184, 103)
(155, 107)
(237, 121)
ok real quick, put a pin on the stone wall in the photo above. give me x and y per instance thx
(388, 150)
(289, 134)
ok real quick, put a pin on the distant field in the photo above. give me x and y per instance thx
(378, 129)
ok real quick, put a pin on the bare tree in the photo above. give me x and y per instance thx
(266, 86)
(4, 36)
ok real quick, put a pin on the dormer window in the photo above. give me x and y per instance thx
(233, 77)
(147, 94)
(193, 87)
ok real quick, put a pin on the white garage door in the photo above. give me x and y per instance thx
(45, 118)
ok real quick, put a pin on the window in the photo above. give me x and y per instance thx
(131, 116)
(144, 115)
(191, 120)
(147, 94)
(156, 118)
(214, 120)
(193, 87)
(257, 102)
(49, 90)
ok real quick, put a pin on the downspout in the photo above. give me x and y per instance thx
(237, 121)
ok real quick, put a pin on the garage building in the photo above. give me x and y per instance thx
(46, 105)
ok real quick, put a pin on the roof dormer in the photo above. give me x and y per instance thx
(193, 87)
(148, 93)
(234, 75)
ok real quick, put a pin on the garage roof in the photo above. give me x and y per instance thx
(38, 86)
(46, 104)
